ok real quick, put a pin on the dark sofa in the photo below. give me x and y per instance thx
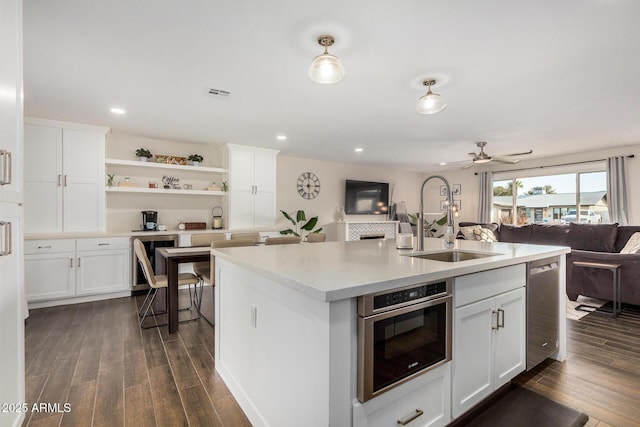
(599, 243)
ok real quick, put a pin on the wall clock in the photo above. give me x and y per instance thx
(308, 185)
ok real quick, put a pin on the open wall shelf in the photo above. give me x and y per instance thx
(153, 165)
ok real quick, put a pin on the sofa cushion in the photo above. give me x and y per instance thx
(593, 237)
(633, 245)
(491, 226)
(485, 235)
(624, 233)
(468, 231)
(513, 234)
(550, 234)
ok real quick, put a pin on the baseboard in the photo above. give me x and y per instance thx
(78, 300)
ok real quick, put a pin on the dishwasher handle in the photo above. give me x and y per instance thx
(539, 269)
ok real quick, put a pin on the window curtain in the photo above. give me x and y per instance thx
(485, 203)
(617, 190)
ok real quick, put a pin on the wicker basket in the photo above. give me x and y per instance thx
(195, 225)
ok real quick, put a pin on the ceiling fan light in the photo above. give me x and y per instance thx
(482, 160)
(326, 69)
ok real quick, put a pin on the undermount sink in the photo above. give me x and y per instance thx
(452, 256)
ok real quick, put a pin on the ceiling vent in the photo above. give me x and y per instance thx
(220, 93)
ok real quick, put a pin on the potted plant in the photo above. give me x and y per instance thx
(143, 154)
(302, 226)
(195, 159)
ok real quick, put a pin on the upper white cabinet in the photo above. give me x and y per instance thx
(252, 186)
(63, 176)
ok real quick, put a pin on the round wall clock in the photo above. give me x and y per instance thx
(308, 185)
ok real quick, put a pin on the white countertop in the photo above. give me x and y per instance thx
(333, 271)
(124, 233)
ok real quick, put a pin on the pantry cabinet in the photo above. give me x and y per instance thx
(63, 177)
(69, 268)
(489, 344)
(252, 186)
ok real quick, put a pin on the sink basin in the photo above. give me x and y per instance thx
(452, 256)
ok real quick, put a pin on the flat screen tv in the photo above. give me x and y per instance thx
(364, 197)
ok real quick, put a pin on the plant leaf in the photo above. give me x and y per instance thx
(286, 215)
(318, 230)
(442, 221)
(310, 224)
(288, 231)
(300, 216)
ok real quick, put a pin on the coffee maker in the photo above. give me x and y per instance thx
(149, 220)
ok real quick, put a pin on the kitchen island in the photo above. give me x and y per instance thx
(287, 327)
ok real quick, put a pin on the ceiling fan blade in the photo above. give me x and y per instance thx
(524, 153)
(510, 161)
(470, 165)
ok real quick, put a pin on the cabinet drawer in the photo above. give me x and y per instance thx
(100, 244)
(49, 246)
(486, 284)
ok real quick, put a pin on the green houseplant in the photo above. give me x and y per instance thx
(195, 159)
(143, 154)
(301, 225)
(435, 228)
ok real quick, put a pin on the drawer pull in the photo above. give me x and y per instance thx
(500, 324)
(6, 248)
(411, 417)
(104, 244)
(70, 262)
(44, 247)
(6, 167)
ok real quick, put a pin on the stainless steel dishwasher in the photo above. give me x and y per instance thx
(543, 280)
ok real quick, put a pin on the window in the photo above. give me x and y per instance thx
(559, 198)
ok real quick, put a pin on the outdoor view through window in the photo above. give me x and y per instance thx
(553, 199)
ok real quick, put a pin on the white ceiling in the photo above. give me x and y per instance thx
(554, 76)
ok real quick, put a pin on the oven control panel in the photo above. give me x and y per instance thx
(404, 296)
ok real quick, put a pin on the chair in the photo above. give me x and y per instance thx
(208, 275)
(316, 237)
(282, 240)
(244, 236)
(157, 282)
(201, 269)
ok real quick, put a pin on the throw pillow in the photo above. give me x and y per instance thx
(633, 245)
(469, 232)
(486, 235)
(593, 237)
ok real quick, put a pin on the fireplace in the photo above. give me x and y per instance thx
(363, 230)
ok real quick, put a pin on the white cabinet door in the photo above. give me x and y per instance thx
(241, 170)
(264, 207)
(264, 172)
(102, 271)
(473, 355)
(83, 179)
(510, 345)
(49, 276)
(43, 179)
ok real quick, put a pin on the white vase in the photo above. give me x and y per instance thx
(142, 159)
(195, 163)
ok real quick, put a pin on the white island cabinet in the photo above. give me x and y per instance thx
(286, 327)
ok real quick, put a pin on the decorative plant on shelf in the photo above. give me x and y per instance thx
(302, 226)
(110, 178)
(435, 228)
(195, 159)
(225, 186)
(143, 154)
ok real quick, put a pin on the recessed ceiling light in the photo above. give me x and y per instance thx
(281, 137)
(116, 110)
(358, 150)
(442, 163)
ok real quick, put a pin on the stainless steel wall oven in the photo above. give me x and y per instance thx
(402, 333)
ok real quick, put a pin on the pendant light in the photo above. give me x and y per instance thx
(326, 68)
(430, 103)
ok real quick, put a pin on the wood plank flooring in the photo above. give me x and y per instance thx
(601, 376)
(95, 357)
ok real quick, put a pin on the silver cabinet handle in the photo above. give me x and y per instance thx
(6, 167)
(70, 262)
(6, 228)
(44, 247)
(500, 323)
(104, 244)
(79, 261)
(59, 180)
(497, 325)
(65, 180)
(413, 416)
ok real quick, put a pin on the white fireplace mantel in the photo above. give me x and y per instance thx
(359, 230)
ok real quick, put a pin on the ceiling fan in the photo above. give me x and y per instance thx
(482, 157)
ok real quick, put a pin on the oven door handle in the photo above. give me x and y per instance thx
(409, 308)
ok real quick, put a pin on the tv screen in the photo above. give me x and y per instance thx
(363, 197)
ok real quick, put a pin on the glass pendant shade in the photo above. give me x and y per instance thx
(430, 103)
(326, 69)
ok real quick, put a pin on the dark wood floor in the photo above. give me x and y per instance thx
(601, 376)
(95, 357)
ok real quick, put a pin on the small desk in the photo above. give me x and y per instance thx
(175, 257)
(615, 269)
